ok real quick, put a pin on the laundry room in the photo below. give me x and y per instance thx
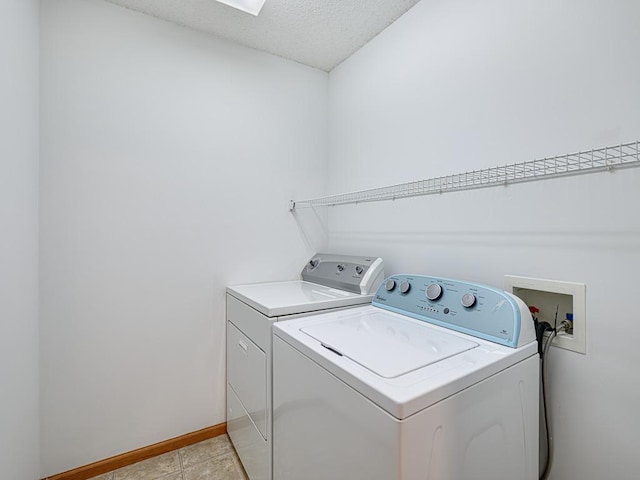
(148, 163)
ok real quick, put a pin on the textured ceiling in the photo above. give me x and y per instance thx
(319, 33)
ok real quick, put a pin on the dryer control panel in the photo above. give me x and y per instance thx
(345, 272)
(478, 310)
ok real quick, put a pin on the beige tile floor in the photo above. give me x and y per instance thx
(213, 459)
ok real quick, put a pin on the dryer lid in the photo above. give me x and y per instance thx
(385, 345)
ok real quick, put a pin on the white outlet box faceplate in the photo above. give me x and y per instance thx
(552, 295)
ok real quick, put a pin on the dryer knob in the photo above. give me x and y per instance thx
(433, 292)
(340, 267)
(313, 264)
(390, 285)
(359, 269)
(468, 300)
(405, 286)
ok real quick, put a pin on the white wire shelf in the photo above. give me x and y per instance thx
(624, 155)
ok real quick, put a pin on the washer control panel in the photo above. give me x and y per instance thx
(478, 310)
(345, 272)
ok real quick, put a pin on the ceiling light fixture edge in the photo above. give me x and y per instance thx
(248, 6)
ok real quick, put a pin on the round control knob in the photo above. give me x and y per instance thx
(313, 263)
(359, 269)
(340, 267)
(390, 285)
(468, 300)
(405, 286)
(434, 291)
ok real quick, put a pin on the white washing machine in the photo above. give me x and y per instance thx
(437, 379)
(329, 282)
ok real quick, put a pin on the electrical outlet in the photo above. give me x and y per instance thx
(554, 297)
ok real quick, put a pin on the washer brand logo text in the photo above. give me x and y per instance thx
(382, 299)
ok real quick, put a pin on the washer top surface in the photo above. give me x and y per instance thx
(422, 339)
(386, 366)
(296, 296)
(386, 345)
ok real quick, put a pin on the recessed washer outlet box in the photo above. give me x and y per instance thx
(550, 296)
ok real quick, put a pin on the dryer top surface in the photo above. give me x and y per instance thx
(294, 297)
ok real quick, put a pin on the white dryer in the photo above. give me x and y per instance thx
(329, 282)
(436, 380)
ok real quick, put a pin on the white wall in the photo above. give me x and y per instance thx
(19, 239)
(169, 159)
(458, 85)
